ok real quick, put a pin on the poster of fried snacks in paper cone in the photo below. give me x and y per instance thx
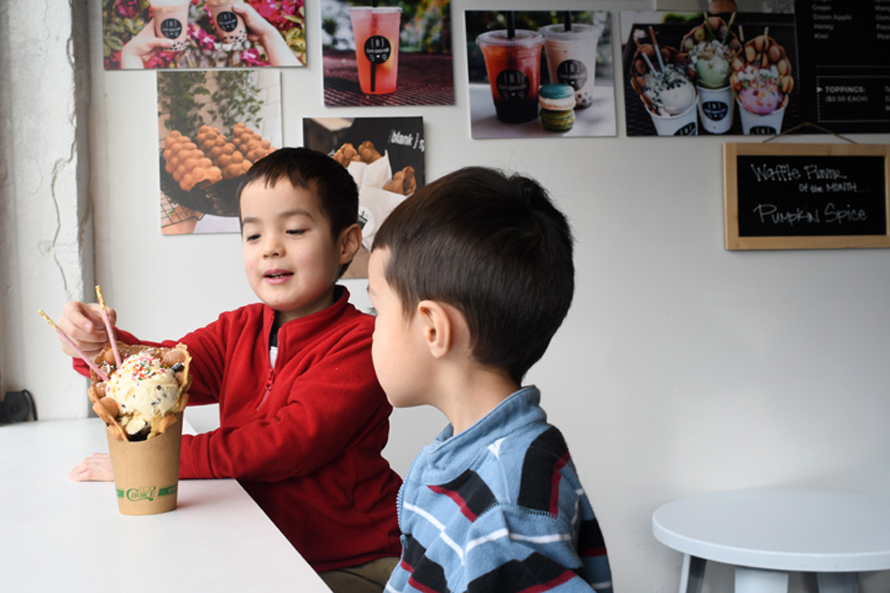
(696, 74)
(396, 52)
(385, 156)
(162, 34)
(540, 74)
(212, 126)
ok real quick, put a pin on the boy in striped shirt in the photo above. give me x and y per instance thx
(470, 278)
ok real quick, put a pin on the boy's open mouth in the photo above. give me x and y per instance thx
(277, 274)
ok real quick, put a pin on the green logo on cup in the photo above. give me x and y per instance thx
(137, 494)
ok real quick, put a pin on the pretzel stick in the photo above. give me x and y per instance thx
(80, 352)
(108, 328)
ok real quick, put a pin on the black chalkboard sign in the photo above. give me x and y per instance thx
(806, 196)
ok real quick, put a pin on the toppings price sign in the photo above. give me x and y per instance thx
(806, 196)
(845, 64)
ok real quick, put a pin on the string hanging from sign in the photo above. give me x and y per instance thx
(807, 124)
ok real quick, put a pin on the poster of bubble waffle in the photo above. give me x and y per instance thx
(698, 74)
(158, 34)
(384, 155)
(212, 126)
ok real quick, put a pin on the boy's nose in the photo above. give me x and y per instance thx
(272, 248)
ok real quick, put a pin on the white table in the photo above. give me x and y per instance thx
(65, 536)
(767, 533)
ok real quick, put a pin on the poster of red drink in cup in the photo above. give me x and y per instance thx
(540, 74)
(699, 74)
(387, 52)
(157, 34)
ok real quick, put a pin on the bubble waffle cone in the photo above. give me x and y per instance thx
(347, 154)
(128, 424)
(188, 164)
(368, 152)
(223, 153)
(645, 55)
(763, 52)
(403, 182)
(250, 144)
(713, 28)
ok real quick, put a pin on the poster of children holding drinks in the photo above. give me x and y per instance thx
(203, 33)
(387, 52)
(541, 73)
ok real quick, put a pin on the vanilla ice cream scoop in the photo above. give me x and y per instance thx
(670, 91)
(144, 389)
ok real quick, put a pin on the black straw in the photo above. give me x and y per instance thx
(568, 21)
(511, 25)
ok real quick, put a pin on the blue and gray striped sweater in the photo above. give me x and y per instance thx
(499, 508)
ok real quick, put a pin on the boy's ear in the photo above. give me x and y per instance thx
(350, 242)
(436, 325)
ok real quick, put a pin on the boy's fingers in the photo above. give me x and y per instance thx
(95, 468)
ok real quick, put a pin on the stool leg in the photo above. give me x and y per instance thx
(754, 580)
(693, 574)
(837, 582)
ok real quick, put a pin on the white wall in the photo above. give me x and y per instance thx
(683, 368)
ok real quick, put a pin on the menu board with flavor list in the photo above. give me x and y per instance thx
(844, 48)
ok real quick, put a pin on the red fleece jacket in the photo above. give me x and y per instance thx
(303, 438)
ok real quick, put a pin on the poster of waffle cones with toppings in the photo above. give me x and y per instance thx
(212, 126)
(698, 73)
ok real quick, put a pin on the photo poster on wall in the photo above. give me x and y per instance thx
(212, 126)
(540, 74)
(385, 156)
(845, 78)
(727, 74)
(158, 34)
(391, 53)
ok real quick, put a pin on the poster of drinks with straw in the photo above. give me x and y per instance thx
(689, 74)
(387, 52)
(157, 34)
(541, 73)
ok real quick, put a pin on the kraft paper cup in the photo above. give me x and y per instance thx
(146, 473)
(754, 124)
(684, 124)
(715, 106)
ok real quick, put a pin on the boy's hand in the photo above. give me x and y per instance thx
(143, 46)
(83, 323)
(95, 468)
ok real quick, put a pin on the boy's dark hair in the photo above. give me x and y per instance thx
(332, 184)
(493, 246)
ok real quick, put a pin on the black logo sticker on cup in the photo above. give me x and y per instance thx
(377, 49)
(171, 28)
(572, 72)
(715, 110)
(512, 84)
(689, 129)
(227, 21)
(762, 131)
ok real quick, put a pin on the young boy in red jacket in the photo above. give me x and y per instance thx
(303, 419)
